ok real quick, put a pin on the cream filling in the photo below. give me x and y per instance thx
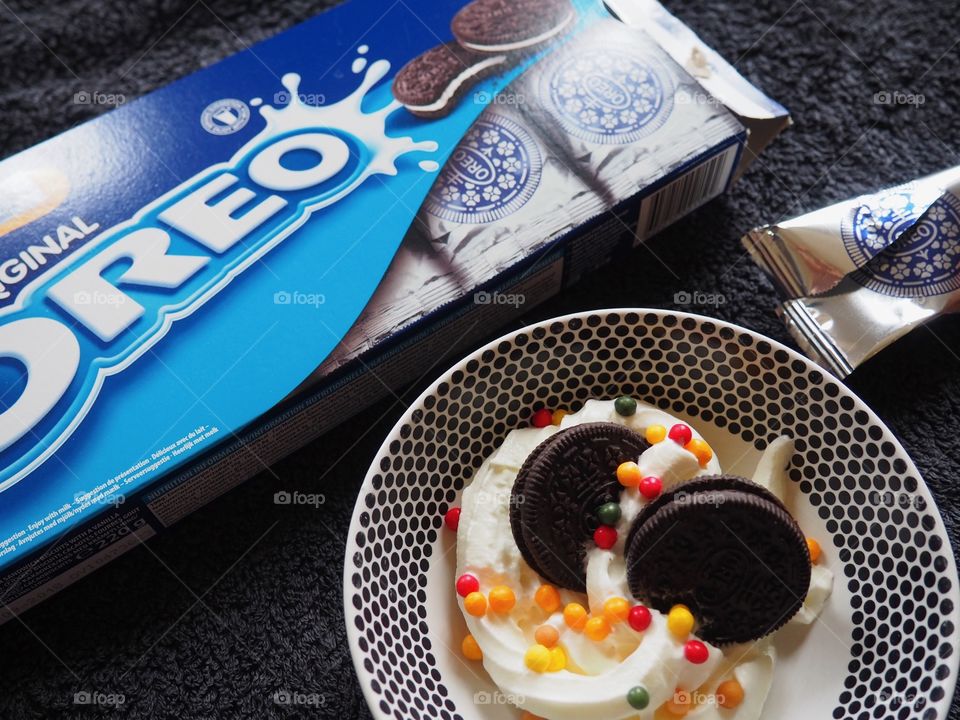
(528, 42)
(451, 90)
(599, 674)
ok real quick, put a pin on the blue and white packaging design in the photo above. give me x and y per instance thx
(204, 279)
(860, 274)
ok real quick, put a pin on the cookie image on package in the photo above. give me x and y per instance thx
(726, 548)
(553, 506)
(431, 84)
(506, 26)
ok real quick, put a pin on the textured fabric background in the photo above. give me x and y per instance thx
(243, 598)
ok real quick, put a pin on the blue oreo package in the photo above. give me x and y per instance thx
(197, 283)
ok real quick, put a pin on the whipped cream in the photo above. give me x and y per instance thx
(599, 674)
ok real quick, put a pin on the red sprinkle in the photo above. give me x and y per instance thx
(467, 584)
(639, 618)
(542, 418)
(452, 518)
(651, 487)
(696, 652)
(680, 433)
(605, 537)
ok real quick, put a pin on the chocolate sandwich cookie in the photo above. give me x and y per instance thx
(553, 508)
(726, 548)
(503, 26)
(431, 84)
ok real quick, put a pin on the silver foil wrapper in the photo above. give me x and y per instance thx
(860, 274)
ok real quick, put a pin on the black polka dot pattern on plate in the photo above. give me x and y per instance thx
(887, 536)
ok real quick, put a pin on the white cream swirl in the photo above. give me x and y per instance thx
(599, 674)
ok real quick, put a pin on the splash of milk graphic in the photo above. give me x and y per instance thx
(343, 135)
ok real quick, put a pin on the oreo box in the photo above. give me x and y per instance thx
(205, 279)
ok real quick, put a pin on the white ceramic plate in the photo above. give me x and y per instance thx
(886, 644)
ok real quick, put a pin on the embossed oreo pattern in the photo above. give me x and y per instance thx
(608, 95)
(490, 174)
(890, 549)
(923, 263)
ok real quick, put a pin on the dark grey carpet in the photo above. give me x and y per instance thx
(244, 598)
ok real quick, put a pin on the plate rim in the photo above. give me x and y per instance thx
(349, 612)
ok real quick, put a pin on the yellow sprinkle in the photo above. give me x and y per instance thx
(558, 416)
(680, 621)
(471, 650)
(558, 659)
(655, 433)
(814, 547)
(537, 658)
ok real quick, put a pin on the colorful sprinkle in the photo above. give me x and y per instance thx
(542, 418)
(475, 604)
(467, 584)
(628, 474)
(650, 487)
(471, 650)
(814, 547)
(558, 416)
(696, 652)
(547, 635)
(639, 618)
(609, 513)
(597, 628)
(452, 518)
(605, 537)
(680, 621)
(638, 697)
(701, 450)
(527, 715)
(548, 598)
(655, 434)
(681, 434)
(502, 599)
(730, 694)
(558, 660)
(680, 704)
(575, 616)
(616, 609)
(625, 405)
(537, 658)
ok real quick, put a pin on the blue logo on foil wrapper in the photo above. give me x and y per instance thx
(609, 95)
(491, 174)
(914, 244)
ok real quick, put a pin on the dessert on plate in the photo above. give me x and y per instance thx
(608, 569)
